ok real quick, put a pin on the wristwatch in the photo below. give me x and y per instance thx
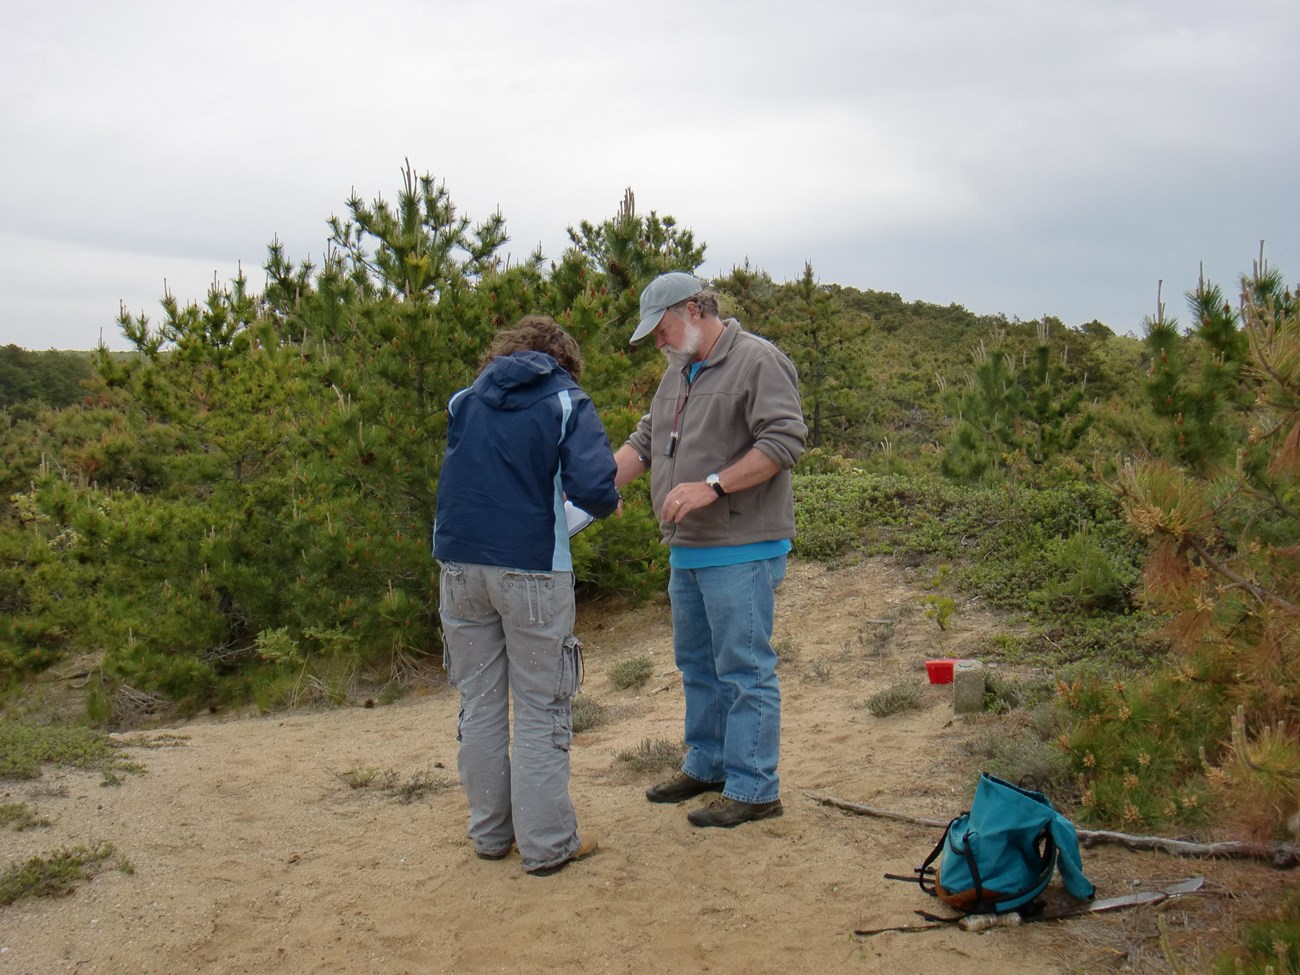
(713, 482)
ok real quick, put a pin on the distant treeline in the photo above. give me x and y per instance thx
(46, 378)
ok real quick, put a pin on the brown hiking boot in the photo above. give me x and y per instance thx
(726, 812)
(681, 786)
(586, 847)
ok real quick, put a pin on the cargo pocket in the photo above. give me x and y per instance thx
(447, 663)
(569, 674)
(454, 600)
(562, 729)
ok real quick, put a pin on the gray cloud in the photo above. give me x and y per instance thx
(1020, 158)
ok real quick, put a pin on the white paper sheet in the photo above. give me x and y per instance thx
(576, 517)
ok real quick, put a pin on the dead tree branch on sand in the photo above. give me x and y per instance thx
(1281, 855)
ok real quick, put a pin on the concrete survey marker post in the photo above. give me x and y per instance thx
(967, 687)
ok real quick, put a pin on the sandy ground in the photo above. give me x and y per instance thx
(250, 852)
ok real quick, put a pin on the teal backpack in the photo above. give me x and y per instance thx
(1001, 855)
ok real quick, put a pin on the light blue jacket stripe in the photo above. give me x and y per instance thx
(451, 403)
(561, 557)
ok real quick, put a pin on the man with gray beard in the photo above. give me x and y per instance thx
(724, 429)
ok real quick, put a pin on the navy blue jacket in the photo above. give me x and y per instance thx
(520, 440)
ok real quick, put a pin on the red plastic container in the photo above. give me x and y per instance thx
(939, 671)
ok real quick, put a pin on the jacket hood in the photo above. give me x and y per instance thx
(515, 382)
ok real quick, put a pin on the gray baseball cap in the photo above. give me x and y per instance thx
(665, 290)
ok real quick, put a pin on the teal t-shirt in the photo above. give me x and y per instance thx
(681, 557)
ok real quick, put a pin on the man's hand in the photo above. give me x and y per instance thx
(685, 498)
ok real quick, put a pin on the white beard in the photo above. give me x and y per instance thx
(681, 356)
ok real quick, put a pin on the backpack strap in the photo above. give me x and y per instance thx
(925, 872)
(980, 906)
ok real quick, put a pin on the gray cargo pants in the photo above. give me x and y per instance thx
(512, 629)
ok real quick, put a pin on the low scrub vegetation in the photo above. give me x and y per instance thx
(19, 816)
(653, 755)
(587, 713)
(26, 747)
(631, 673)
(57, 874)
(1270, 946)
(389, 782)
(895, 699)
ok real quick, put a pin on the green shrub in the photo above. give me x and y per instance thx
(623, 555)
(938, 608)
(1098, 640)
(654, 755)
(56, 874)
(1014, 546)
(1267, 946)
(24, 748)
(20, 816)
(1025, 759)
(1087, 576)
(631, 673)
(1138, 745)
(587, 713)
(273, 689)
(892, 700)
(1003, 694)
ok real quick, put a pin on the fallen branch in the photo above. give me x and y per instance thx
(861, 810)
(1281, 855)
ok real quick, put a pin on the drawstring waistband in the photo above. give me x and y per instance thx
(531, 585)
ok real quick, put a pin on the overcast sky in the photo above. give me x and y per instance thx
(1023, 157)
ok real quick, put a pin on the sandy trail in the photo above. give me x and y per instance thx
(251, 854)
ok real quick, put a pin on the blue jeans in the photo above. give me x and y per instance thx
(722, 640)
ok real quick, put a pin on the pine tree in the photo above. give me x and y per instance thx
(1223, 522)
(983, 411)
(250, 491)
(595, 294)
(1193, 379)
(809, 325)
(1052, 418)
(1007, 415)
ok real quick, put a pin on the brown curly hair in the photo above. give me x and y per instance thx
(540, 334)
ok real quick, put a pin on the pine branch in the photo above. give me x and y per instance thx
(1263, 595)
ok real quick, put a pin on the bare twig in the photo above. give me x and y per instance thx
(861, 810)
